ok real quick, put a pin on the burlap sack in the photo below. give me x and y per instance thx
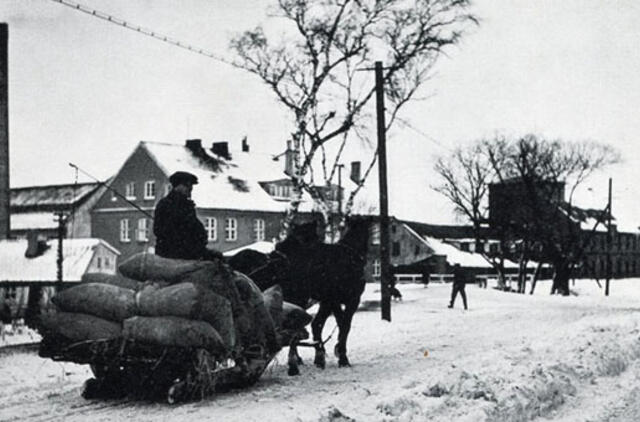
(113, 279)
(219, 278)
(102, 300)
(273, 302)
(294, 317)
(187, 301)
(147, 266)
(262, 327)
(173, 331)
(78, 327)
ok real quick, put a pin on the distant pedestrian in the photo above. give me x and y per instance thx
(425, 277)
(459, 280)
(5, 318)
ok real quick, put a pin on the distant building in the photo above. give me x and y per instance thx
(18, 273)
(34, 208)
(510, 205)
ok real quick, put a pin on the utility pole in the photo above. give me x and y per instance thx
(61, 220)
(606, 286)
(385, 273)
(5, 220)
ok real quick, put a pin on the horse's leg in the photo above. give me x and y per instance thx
(316, 327)
(293, 357)
(344, 325)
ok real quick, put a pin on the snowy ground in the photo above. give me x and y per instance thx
(509, 358)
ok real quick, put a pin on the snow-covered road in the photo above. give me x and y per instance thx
(509, 358)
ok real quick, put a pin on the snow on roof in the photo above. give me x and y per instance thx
(33, 220)
(261, 246)
(229, 184)
(456, 256)
(77, 254)
(51, 196)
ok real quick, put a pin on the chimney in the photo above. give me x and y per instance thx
(221, 149)
(288, 160)
(195, 145)
(355, 172)
(5, 193)
(245, 145)
(35, 246)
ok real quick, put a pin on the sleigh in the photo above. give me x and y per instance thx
(123, 367)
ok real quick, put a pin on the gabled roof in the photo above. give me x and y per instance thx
(222, 183)
(51, 197)
(453, 254)
(77, 255)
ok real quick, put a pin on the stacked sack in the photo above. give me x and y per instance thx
(171, 302)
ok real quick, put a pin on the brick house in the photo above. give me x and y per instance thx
(240, 198)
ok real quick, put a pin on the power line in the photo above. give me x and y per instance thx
(427, 137)
(144, 31)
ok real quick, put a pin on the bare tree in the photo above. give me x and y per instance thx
(540, 217)
(465, 176)
(314, 69)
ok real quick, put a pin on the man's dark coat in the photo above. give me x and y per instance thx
(179, 233)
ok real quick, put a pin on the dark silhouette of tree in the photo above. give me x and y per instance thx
(533, 182)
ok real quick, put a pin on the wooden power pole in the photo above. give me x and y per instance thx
(385, 273)
(609, 241)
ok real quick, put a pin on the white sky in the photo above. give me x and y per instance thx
(86, 91)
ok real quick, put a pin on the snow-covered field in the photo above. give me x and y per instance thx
(508, 358)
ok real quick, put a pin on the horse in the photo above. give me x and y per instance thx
(310, 270)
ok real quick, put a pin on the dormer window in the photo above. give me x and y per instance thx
(130, 190)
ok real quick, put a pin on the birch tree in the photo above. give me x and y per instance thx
(319, 69)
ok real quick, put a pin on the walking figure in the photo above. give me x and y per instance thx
(458, 286)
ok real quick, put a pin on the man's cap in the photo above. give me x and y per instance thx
(182, 177)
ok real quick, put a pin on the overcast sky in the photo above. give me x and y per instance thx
(86, 91)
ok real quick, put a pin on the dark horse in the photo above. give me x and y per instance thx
(310, 270)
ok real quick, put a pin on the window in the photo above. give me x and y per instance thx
(107, 263)
(99, 263)
(231, 229)
(395, 249)
(11, 293)
(143, 230)
(130, 190)
(375, 234)
(417, 250)
(376, 268)
(211, 225)
(280, 191)
(124, 230)
(258, 229)
(149, 189)
(393, 228)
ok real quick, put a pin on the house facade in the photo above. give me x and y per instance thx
(241, 196)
